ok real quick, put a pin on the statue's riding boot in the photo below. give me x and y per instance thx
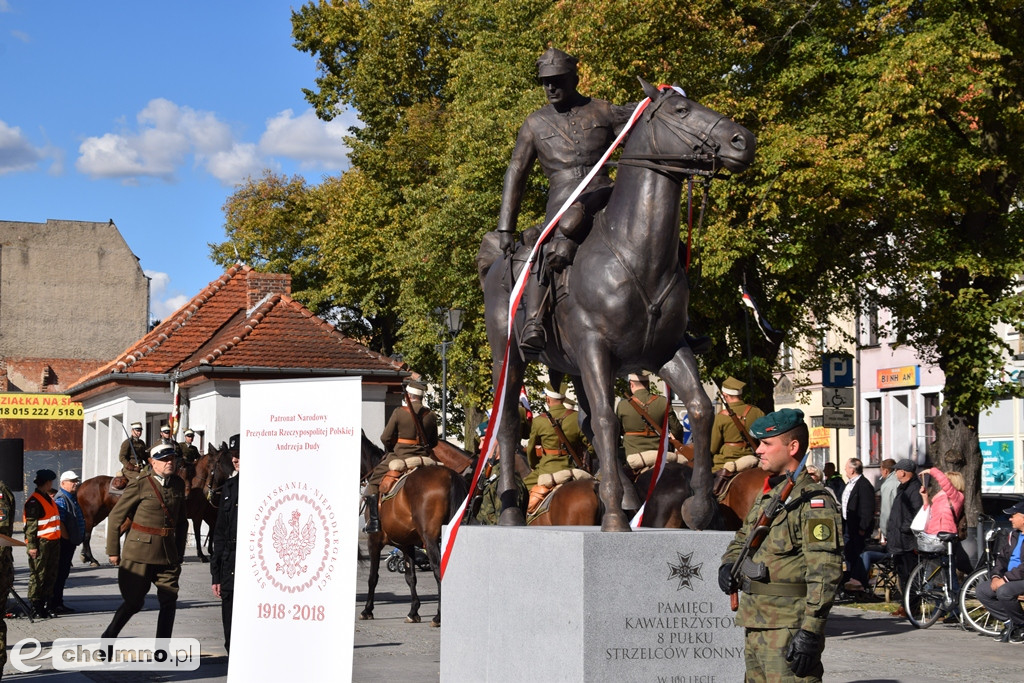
(722, 478)
(533, 338)
(373, 524)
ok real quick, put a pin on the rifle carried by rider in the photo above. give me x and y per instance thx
(738, 422)
(564, 440)
(677, 445)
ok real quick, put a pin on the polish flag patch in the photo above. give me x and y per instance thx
(817, 502)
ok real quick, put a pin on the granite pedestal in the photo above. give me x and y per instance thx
(576, 604)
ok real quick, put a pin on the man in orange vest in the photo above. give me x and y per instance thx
(42, 537)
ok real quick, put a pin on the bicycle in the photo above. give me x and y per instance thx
(929, 593)
(975, 614)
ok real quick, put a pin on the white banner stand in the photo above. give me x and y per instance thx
(298, 530)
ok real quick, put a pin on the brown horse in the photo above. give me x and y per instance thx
(664, 509)
(96, 501)
(574, 503)
(413, 517)
(203, 500)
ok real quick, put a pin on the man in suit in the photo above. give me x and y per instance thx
(155, 543)
(858, 505)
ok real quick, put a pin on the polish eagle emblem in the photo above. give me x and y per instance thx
(293, 544)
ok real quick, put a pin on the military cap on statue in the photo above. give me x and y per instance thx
(554, 62)
(733, 386)
(162, 451)
(43, 476)
(416, 388)
(779, 422)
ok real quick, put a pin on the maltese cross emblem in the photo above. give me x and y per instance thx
(684, 571)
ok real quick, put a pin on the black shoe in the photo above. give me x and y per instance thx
(373, 523)
(63, 609)
(1017, 634)
(1004, 637)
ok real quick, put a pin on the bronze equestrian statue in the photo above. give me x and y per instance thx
(622, 303)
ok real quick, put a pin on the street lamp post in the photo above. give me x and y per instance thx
(453, 322)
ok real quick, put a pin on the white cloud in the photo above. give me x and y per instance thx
(307, 139)
(167, 134)
(162, 302)
(16, 152)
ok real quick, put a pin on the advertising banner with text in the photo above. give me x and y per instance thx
(298, 529)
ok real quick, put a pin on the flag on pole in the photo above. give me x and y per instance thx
(748, 301)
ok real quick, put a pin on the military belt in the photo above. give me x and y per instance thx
(551, 451)
(646, 432)
(162, 531)
(735, 443)
(786, 590)
(408, 442)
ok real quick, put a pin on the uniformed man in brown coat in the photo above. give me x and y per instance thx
(133, 452)
(727, 442)
(567, 137)
(155, 543)
(401, 437)
(637, 435)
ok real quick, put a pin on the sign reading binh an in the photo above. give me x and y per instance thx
(899, 378)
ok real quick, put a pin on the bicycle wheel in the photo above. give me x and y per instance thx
(975, 613)
(394, 563)
(924, 596)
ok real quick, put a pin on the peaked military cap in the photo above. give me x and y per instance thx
(162, 451)
(189, 432)
(779, 422)
(136, 425)
(733, 386)
(416, 388)
(43, 476)
(551, 392)
(554, 62)
(639, 377)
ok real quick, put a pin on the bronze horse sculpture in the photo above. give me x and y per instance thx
(413, 517)
(212, 470)
(624, 308)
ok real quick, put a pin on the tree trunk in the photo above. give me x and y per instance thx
(957, 449)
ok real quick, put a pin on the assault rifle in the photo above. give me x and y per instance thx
(744, 566)
(738, 422)
(677, 445)
(563, 439)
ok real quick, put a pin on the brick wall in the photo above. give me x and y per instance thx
(263, 284)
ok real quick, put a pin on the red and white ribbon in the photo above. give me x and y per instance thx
(659, 462)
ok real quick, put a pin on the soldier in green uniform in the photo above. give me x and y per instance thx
(637, 435)
(154, 545)
(133, 453)
(727, 443)
(545, 452)
(42, 538)
(6, 565)
(784, 609)
(490, 501)
(189, 453)
(401, 437)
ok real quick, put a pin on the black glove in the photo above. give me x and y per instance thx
(725, 581)
(804, 652)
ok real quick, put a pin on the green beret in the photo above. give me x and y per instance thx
(779, 422)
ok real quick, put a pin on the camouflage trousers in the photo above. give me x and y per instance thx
(6, 583)
(43, 571)
(766, 657)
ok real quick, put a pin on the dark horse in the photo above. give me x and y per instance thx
(626, 299)
(664, 508)
(413, 517)
(212, 470)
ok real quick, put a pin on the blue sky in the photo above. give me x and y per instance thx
(149, 114)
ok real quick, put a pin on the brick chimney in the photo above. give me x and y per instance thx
(264, 285)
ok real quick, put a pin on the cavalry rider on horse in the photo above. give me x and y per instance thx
(568, 137)
(730, 434)
(401, 437)
(133, 453)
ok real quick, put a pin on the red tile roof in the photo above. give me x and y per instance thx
(245, 320)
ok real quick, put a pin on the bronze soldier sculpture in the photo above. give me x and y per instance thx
(567, 137)
(624, 307)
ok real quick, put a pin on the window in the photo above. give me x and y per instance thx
(871, 326)
(819, 456)
(874, 431)
(785, 357)
(932, 406)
